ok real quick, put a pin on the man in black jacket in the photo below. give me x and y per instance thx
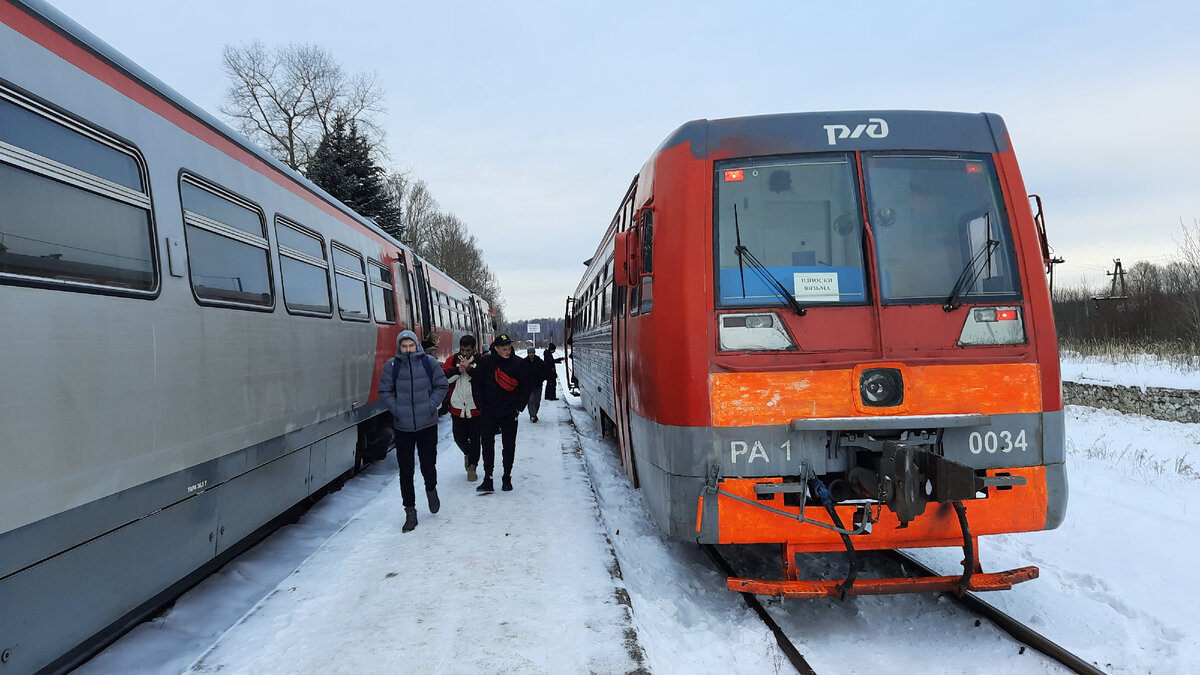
(551, 372)
(501, 384)
(537, 372)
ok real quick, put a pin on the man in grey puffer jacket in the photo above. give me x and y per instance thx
(412, 386)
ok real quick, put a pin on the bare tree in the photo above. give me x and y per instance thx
(286, 98)
(420, 211)
(1187, 279)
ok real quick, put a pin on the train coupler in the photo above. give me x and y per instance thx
(909, 476)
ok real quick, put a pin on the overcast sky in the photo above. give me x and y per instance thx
(529, 119)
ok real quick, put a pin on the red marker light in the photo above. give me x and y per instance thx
(734, 175)
(974, 167)
(1006, 315)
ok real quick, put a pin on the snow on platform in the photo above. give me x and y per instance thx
(508, 581)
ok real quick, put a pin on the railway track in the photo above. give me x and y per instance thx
(785, 643)
(1017, 630)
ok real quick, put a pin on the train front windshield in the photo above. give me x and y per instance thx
(937, 223)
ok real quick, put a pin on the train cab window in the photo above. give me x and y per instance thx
(799, 222)
(939, 224)
(75, 210)
(227, 247)
(304, 269)
(351, 283)
(383, 295)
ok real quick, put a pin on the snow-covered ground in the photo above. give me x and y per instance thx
(528, 581)
(1138, 370)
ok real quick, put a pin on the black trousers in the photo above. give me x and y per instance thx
(535, 403)
(551, 387)
(466, 436)
(508, 439)
(425, 443)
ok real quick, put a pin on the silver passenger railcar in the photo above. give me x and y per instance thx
(191, 336)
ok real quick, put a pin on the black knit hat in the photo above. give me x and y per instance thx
(501, 340)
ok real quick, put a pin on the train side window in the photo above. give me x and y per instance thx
(406, 314)
(227, 247)
(351, 283)
(383, 294)
(646, 291)
(304, 269)
(76, 211)
(606, 305)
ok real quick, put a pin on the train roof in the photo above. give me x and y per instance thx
(842, 131)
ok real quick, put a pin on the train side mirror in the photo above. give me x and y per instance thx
(625, 257)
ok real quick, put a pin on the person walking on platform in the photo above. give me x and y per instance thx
(501, 387)
(551, 372)
(537, 373)
(413, 386)
(464, 414)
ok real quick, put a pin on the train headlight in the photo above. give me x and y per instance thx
(761, 331)
(992, 326)
(881, 387)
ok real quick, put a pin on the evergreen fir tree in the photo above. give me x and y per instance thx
(343, 167)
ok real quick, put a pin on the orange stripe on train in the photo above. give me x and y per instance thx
(749, 399)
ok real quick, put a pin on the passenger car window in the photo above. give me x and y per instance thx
(74, 210)
(383, 295)
(351, 283)
(227, 252)
(304, 269)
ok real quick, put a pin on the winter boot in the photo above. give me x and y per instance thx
(486, 485)
(434, 502)
(471, 475)
(410, 520)
(506, 484)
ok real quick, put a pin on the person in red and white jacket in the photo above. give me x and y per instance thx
(464, 413)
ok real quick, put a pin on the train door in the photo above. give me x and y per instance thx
(625, 305)
(570, 382)
(479, 320)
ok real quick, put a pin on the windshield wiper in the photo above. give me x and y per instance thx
(970, 273)
(744, 253)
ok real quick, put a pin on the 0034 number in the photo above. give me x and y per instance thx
(992, 442)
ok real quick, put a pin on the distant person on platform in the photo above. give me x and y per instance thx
(413, 385)
(464, 414)
(430, 343)
(537, 373)
(551, 372)
(501, 387)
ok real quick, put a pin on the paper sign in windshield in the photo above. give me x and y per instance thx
(816, 286)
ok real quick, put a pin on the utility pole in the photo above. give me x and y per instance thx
(1118, 274)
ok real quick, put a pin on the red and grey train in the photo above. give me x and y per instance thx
(192, 339)
(830, 331)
